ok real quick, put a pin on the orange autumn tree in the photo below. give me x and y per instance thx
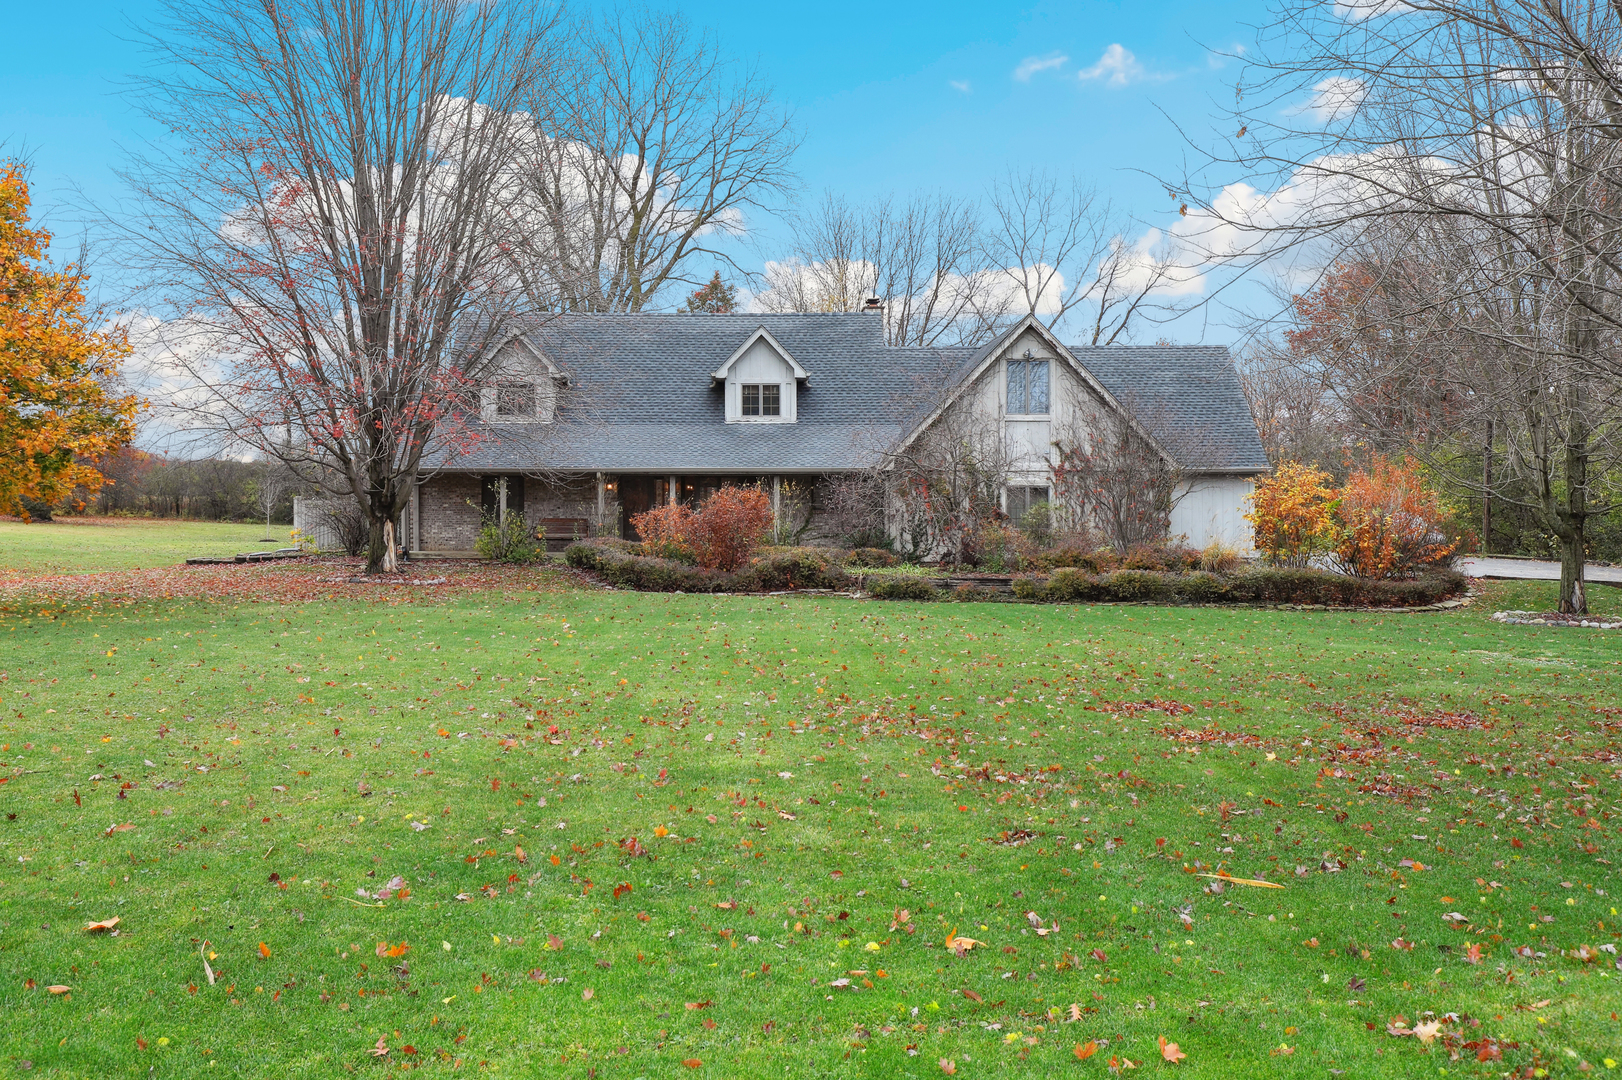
(1394, 523)
(56, 412)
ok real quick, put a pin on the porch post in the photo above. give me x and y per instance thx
(602, 496)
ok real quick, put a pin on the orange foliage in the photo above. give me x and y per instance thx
(1293, 512)
(1393, 522)
(55, 410)
(721, 535)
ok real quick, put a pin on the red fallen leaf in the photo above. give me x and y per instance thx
(105, 924)
(691, 1005)
(1515, 842)
(1086, 1050)
(126, 827)
(408, 1049)
(1472, 955)
(555, 860)
(709, 1025)
(264, 950)
(554, 942)
(643, 916)
(140, 1043)
(399, 950)
(622, 888)
(381, 1049)
(974, 997)
(1405, 946)
(948, 1066)
(495, 785)
(76, 799)
(28, 984)
(1169, 1051)
(518, 852)
(692, 1063)
(1098, 954)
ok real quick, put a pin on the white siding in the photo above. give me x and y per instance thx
(760, 363)
(1214, 509)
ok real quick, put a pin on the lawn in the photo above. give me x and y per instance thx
(78, 545)
(656, 835)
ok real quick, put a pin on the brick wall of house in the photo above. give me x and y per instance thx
(448, 513)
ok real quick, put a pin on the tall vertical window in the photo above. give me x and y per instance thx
(761, 399)
(1028, 387)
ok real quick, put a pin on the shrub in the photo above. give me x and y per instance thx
(792, 568)
(667, 532)
(1037, 524)
(1160, 557)
(1073, 586)
(1293, 512)
(1003, 550)
(1393, 525)
(1201, 587)
(643, 573)
(871, 557)
(509, 540)
(1079, 558)
(1137, 585)
(902, 588)
(1219, 558)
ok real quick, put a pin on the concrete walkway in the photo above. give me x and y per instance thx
(1532, 570)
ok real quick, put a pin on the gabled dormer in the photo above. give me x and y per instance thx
(760, 382)
(520, 385)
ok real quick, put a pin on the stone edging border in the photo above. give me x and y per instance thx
(1551, 619)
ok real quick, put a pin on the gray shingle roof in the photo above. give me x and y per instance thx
(642, 400)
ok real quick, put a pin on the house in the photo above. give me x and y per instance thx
(588, 420)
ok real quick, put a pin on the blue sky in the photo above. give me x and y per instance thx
(896, 97)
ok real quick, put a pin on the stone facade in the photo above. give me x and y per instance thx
(447, 514)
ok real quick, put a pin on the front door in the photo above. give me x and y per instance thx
(636, 497)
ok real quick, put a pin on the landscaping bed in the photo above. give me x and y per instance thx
(1081, 578)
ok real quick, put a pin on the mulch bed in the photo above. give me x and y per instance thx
(324, 578)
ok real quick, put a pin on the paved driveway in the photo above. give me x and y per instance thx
(1533, 570)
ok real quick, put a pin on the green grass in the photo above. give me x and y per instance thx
(791, 748)
(86, 545)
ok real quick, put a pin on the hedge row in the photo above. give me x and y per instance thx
(1265, 585)
(791, 568)
(621, 563)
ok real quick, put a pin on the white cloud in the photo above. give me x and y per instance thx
(1358, 10)
(1336, 98)
(1031, 65)
(961, 87)
(1117, 67)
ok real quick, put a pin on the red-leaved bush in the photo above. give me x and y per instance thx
(721, 535)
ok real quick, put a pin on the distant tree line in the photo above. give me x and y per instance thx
(201, 489)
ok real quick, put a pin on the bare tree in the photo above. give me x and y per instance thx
(332, 226)
(1061, 250)
(647, 147)
(1122, 469)
(1479, 138)
(920, 258)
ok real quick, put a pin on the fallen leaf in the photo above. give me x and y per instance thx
(554, 942)
(58, 989)
(1427, 1030)
(587, 994)
(692, 1063)
(126, 827)
(1086, 1050)
(1074, 1012)
(105, 924)
(1169, 1051)
(974, 997)
(948, 1066)
(264, 950)
(1254, 882)
(381, 1049)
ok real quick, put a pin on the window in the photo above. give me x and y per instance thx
(516, 400)
(762, 399)
(1021, 500)
(1028, 387)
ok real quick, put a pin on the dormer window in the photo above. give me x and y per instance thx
(760, 382)
(1027, 387)
(516, 401)
(762, 399)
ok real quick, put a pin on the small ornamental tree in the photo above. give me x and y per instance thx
(1394, 524)
(56, 409)
(730, 526)
(1293, 512)
(721, 535)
